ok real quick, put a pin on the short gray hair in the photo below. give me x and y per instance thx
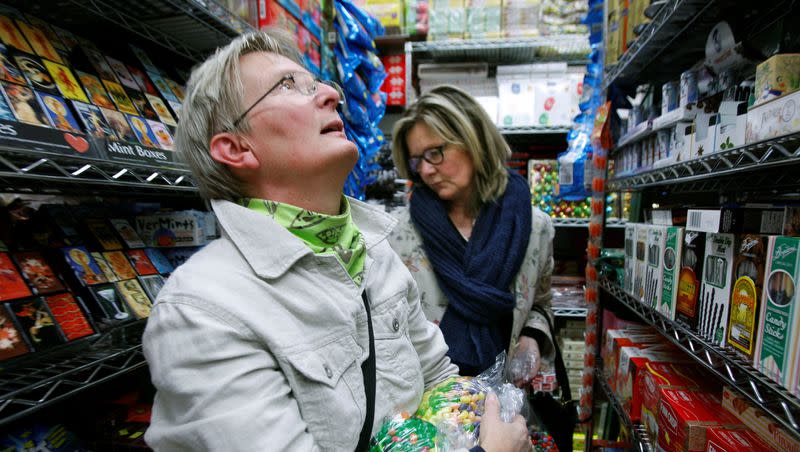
(460, 120)
(214, 97)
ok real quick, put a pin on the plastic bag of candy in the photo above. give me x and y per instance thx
(453, 408)
(456, 405)
(402, 433)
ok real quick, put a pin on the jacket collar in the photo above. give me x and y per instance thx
(271, 250)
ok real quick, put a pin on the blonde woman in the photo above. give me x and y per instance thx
(480, 254)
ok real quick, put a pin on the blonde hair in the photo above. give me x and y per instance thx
(214, 97)
(459, 120)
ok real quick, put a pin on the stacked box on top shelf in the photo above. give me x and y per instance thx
(484, 19)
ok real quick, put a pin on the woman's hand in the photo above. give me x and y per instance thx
(526, 361)
(498, 436)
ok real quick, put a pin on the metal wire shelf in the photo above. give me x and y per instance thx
(768, 154)
(641, 439)
(584, 223)
(39, 380)
(569, 312)
(533, 130)
(26, 171)
(190, 28)
(669, 24)
(570, 48)
(740, 375)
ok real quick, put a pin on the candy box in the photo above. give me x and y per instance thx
(685, 416)
(640, 251)
(716, 288)
(552, 106)
(732, 125)
(620, 343)
(750, 258)
(670, 270)
(774, 118)
(630, 369)
(776, 349)
(654, 271)
(778, 76)
(630, 257)
(658, 376)
(610, 349)
(728, 440)
(758, 421)
(186, 228)
(517, 100)
(394, 85)
(689, 279)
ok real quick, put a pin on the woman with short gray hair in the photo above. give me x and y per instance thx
(298, 329)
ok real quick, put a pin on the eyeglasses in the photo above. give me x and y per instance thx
(302, 82)
(434, 156)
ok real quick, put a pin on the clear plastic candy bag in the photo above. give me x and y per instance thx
(454, 408)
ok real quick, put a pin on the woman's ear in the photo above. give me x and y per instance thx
(233, 150)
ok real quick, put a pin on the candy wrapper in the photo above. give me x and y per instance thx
(453, 408)
(402, 433)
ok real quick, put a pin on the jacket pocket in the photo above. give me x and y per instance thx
(390, 318)
(398, 361)
(328, 385)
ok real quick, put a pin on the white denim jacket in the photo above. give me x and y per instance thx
(256, 343)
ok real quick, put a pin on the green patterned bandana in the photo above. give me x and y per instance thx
(324, 234)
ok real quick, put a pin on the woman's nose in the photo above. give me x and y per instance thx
(328, 96)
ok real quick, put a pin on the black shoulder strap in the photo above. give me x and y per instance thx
(368, 369)
(561, 369)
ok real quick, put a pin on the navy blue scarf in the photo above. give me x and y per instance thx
(476, 275)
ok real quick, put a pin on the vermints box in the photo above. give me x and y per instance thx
(777, 345)
(748, 279)
(671, 266)
(716, 288)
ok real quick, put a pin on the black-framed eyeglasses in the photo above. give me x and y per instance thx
(302, 82)
(434, 156)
